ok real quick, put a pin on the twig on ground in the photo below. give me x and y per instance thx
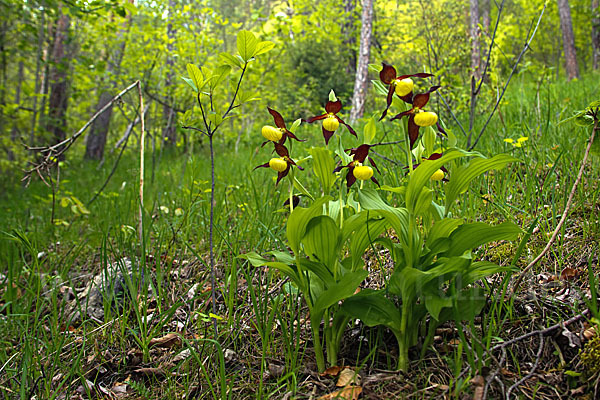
(564, 215)
(538, 356)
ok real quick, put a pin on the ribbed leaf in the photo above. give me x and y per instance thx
(231, 60)
(196, 75)
(396, 217)
(322, 240)
(373, 309)
(420, 176)
(246, 44)
(263, 47)
(344, 288)
(470, 236)
(323, 166)
(298, 219)
(462, 177)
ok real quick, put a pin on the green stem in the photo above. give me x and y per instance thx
(291, 192)
(318, 347)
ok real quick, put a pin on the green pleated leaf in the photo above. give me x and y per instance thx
(421, 175)
(370, 130)
(299, 218)
(397, 217)
(344, 288)
(470, 236)
(319, 269)
(246, 44)
(323, 166)
(442, 229)
(323, 240)
(362, 228)
(373, 309)
(462, 177)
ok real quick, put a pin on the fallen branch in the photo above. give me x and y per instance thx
(51, 153)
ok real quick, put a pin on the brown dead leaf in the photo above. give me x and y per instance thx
(169, 340)
(590, 333)
(348, 377)
(150, 371)
(478, 383)
(348, 393)
(568, 274)
(332, 371)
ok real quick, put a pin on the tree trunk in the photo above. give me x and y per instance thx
(96, 140)
(571, 67)
(169, 133)
(485, 23)
(360, 83)
(596, 33)
(348, 35)
(57, 104)
(474, 33)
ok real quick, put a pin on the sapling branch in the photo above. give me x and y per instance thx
(567, 208)
(530, 36)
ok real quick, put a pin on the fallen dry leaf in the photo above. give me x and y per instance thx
(568, 274)
(332, 371)
(169, 340)
(348, 377)
(590, 333)
(348, 393)
(478, 383)
(150, 371)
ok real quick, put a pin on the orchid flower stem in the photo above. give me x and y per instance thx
(291, 192)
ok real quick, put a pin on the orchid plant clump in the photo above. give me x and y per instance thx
(434, 278)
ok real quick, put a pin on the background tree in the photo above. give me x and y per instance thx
(595, 33)
(361, 81)
(571, 66)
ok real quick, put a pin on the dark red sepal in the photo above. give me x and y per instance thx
(413, 130)
(402, 114)
(421, 100)
(318, 117)
(360, 153)
(390, 95)
(341, 121)
(350, 178)
(327, 135)
(372, 162)
(333, 107)
(277, 118)
(281, 150)
(265, 165)
(291, 136)
(282, 174)
(375, 180)
(387, 73)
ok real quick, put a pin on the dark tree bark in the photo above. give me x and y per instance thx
(596, 33)
(485, 23)
(474, 34)
(348, 35)
(58, 76)
(169, 133)
(360, 83)
(96, 140)
(571, 67)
